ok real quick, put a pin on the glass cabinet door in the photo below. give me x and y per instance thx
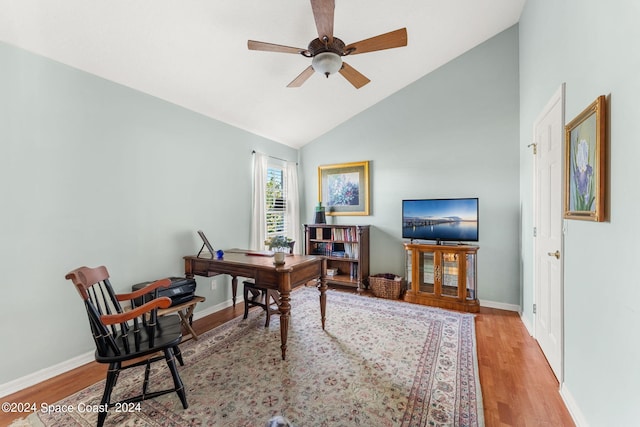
(471, 277)
(449, 278)
(428, 272)
(408, 272)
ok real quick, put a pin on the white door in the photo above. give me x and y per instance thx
(548, 139)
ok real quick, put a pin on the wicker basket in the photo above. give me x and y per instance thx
(386, 285)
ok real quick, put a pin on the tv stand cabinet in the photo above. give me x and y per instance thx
(442, 276)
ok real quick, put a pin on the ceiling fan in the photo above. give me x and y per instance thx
(327, 51)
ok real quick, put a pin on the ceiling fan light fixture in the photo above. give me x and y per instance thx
(327, 63)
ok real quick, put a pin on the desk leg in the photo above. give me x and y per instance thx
(322, 287)
(234, 289)
(188, 269)
(285, 312)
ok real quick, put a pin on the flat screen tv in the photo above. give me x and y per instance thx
(441, 220)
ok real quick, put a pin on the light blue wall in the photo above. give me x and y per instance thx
(94, 173)
(453, 133)
(592, 46)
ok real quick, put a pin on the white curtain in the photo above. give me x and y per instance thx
(259, 217)
(292, 212)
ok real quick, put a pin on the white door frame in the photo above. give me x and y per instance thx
(558, 97)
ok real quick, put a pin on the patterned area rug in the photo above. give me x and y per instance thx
(378, 363)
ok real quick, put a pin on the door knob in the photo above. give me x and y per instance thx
(555, 254)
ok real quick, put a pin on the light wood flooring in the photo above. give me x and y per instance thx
(518, 386)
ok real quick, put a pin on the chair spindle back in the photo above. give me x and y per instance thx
(100, 299)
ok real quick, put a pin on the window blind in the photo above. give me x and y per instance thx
(276, 201)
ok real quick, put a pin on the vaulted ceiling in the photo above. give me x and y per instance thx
(194, 53)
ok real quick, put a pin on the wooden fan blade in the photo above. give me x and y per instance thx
(353, 76)
(270, 47)
(397, 38)
(298, 81)
(323, 15)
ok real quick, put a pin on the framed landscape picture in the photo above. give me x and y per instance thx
(585, 145)
(344, 188)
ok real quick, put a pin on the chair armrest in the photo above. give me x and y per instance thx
(162, 283)
(112, 319)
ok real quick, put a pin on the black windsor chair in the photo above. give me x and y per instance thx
(122, 336)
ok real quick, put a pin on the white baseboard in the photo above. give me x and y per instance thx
(527, 324)
(500, 305)
(52, 371)
(213, 309)
(573, 407)
(45, 374)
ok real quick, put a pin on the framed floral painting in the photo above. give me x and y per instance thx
(585, 145)
(344, 188)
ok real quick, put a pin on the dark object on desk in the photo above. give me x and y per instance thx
(205, 242)
(180, 291)
(125, 336)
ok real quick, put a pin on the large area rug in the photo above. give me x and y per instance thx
(378, 363)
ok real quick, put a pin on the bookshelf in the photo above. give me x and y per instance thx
(346, 249)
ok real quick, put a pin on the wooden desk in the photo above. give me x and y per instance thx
(185, 311)
(297, 270)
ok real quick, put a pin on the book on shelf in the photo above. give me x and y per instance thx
(351, 250)
(347, 234)
(322, 249)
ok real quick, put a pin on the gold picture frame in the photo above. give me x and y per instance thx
(585, 151)
(344, 188)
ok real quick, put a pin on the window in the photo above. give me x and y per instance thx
(276, 200)
(275, 207)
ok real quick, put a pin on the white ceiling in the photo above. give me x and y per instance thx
(194, 53)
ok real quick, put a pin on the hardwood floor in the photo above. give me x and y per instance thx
(518, 386)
